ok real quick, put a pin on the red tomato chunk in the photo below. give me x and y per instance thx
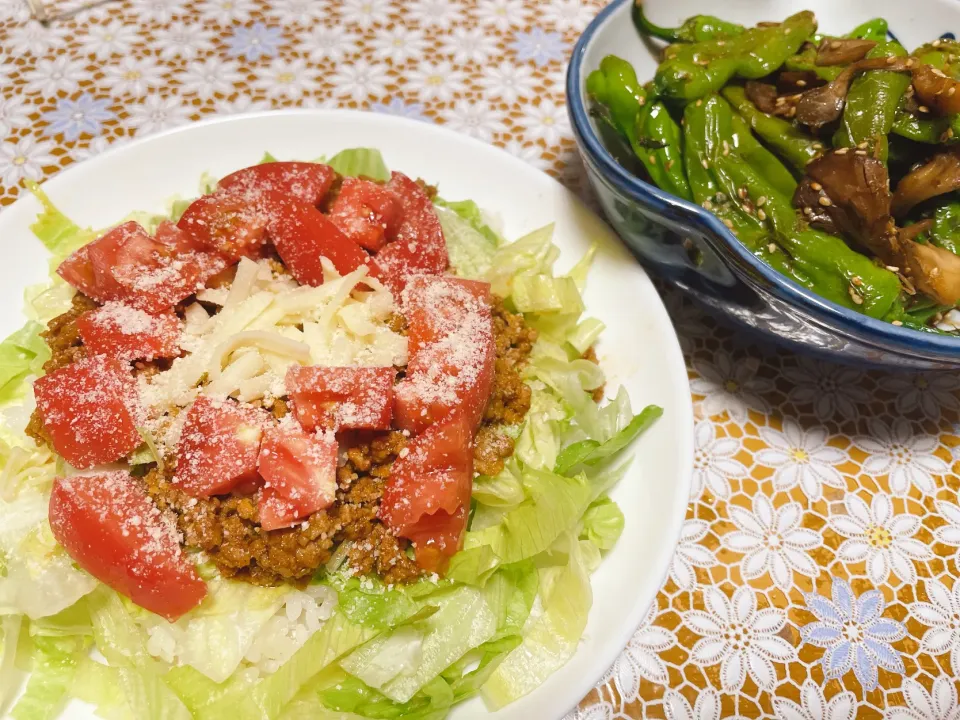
(126, 333)
(89, 410)
(418, 246)
(453, 353)
(300, 475)
(303, 235)
(342, 398)
(366, 212)
(218, 447)
(307, 182)
(428, 494)
(230, 223)
(127, 264)
(112, 530)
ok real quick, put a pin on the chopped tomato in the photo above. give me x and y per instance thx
(303, 235)
(127, 264)
(112, 529)
(218, 447)
(452, 354)
(231, 223)
(300, 475)
(89, 410)
(418, 246)
(307, 182)
(176, 239)
(428, 493)
(342, 398)
(434, 306)
(126, 333)
(366, 212)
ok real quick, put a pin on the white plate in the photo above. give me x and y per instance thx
(639, 349)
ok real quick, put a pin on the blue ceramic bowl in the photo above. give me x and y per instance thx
(690, 248)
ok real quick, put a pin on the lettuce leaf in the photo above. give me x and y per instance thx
(602, 523)
(267, 158)
(552, 637)
(351, 695)
(470, 251)
(468, 210)
(591, 452)
(534, 253)
(9, 639)
(58, 233)
(462, 622)
(543, 293)
(55, 664)
(360, 162)
(127, 694)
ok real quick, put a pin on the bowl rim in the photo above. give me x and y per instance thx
(856, 325)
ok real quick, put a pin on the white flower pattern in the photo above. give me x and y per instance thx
(772, 541)
(881, 539)
(743, 639)
(942, 616)
(802, 457)
(731, 386)
(641, 658)
(833, 390)
(903, 454)
(714, 464)
(690, 554)
(941, 704)
(814, 706)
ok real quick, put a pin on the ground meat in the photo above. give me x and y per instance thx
(227, 528)
(62, 336)
(591, 355)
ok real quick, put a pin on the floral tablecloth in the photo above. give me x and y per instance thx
(818, 576)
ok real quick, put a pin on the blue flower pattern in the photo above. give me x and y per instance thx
(539, 46)
(255, 42)
(854, 634)
(398, 107)
(73, 118)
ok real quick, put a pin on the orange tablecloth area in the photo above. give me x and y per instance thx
(817, 576)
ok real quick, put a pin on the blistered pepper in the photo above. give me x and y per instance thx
(805, 60)
(695, 29)
(943, 54)
(693, 70)
(787, 140)
(652, 133)
(929, 130)
(875, 30)
(945, 231)
(872, 104)
(730, 174)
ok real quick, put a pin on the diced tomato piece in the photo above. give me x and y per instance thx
(126, 333)
(307, 182)
(176, 239)
(342, 398)
(89, 409)
(434, 306)
(418, 246)
(218, 447)
(366, 212)
(231, 223)
(127, 264)
(428, 493)
(303, 235)
(300, 475)
(452, 353)
(112, 529)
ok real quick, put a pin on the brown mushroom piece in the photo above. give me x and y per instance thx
(849, 194)
(794, 82)
(762, 95)
(823, 105)
(842, 51)
(936, 91)
(938, 176)
(935, 270)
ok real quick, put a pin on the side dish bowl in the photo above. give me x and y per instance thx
(690, 247)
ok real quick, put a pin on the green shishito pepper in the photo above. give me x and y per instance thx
(942, 54)
(875, 30)
(696, 29)
(792, 144)
(652, 133)
(693, 70)
(806, 59)
(872, 103)
(945, 231)
(929, 130)
(743, 183)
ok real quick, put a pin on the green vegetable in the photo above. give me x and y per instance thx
(21, 354)
(468, 210)
(9, 639)
(929, 130)
(590, 452)
(787, 140)
(470, 250)
(351, 695)
(647, 127)
(267, 158)
(945, 232)
(58, 233)
(872, 103)
(360, 162)
(696, 29)
(875, 30)
(55, 664)
(692, 71)
(602, 523)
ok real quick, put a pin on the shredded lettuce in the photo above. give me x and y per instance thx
(55, 663)
(546, 294)
(58, 233)
(470, 251)
(9, 639)
(602, 523)
(267, 158)
(591, 452)
(469, 211)
(360, 162)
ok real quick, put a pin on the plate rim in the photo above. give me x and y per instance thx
(632, 620)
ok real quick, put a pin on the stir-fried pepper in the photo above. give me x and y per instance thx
(765, 106)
